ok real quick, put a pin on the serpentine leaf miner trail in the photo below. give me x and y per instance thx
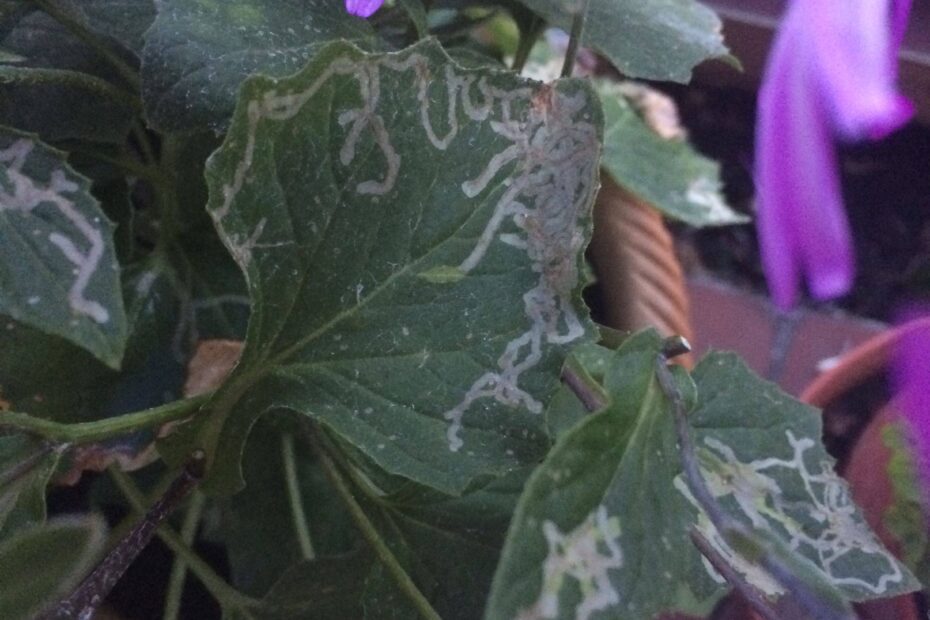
(411, 232)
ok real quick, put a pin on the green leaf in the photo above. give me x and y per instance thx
(258, 529)
(651, 39)
(905, 518)
(795, 493)
(667, 173)
(49, 377)
(59, 111)
(336, 190)
(58, 269)
(43, 563)
(198, 52)
(26, 464)
(319, 589)
(416, 11)
(602, 527)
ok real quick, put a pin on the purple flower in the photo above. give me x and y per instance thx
(911, 377)
(363, 8)
(831, 74)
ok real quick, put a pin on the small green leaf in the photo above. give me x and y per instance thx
(652, 39)
(905, 518)
(58, 269)
(335, 190)
(43, 563)
(198, 52)
(603, 524)
(667, 173)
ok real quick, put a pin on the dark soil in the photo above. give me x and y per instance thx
(886, 188)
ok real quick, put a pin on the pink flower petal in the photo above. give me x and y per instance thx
(363, 8)
(911, 377)
(831, 74)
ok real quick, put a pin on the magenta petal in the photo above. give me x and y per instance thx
(363, 8)
(831, 74)
(854, 46)
(800, 218)
(912, 387)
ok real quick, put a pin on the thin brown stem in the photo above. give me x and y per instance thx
(94, 589)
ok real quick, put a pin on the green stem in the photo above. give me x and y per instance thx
(179, 567)
(574, 41)
(225, 594)
(528, 37)
(66, 77)
(298, 514)
(98, 430)
(370, 532)
(81, 31)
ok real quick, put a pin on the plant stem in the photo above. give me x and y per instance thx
(66, 77)
(369, 532)
(94, 589)
(589, 396)
(752, 596)
(81, 31)
(293, 495)
(574, 41)
(179, 567)
(98, 430)
(145, 145)
(225, 594)
(528, 37)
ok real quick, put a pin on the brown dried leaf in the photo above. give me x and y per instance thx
(211, 364)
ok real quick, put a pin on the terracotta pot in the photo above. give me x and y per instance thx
(866, 464)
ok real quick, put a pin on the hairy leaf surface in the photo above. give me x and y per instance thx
(58, 269)
(652, 39)
(602, 530)
(198, 52)
(411, 233)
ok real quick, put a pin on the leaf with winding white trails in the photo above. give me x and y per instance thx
(58, 268)
(342, 192)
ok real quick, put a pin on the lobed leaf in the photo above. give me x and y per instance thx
(341, 192)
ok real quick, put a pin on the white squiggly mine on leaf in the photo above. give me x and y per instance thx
(553, 146)
(26, 194)
(822, 525)
(586, 554)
